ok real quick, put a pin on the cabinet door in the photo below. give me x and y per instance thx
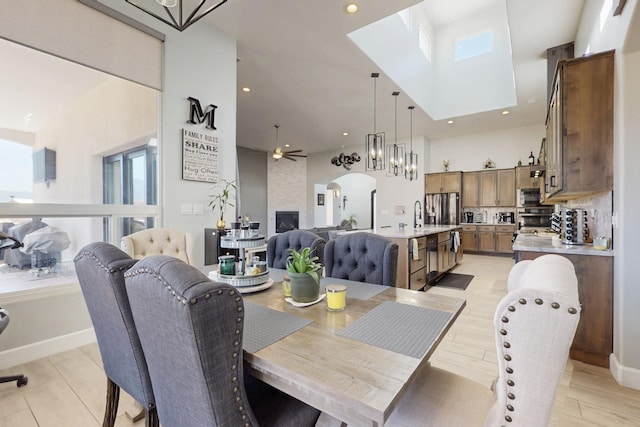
(470, 194)
(488, 187)
(506, 190)
(486, 241)
(469, 241)
(451, 182)
(503, 243)
(523, 178)
(443, 256)
(433, 182)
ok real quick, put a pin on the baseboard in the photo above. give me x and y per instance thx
(28, 353)
(628, 377)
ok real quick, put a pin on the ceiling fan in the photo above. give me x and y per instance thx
(279, 154)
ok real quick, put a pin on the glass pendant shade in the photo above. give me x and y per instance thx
(395, 152)
(374, 142)
(411, 158)
(375, 151)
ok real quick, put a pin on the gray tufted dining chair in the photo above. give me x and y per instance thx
(362, 257)
(191, 332)
(534, 324)
(278, 246)
(100, 268)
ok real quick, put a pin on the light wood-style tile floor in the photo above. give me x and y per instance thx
(68, 389)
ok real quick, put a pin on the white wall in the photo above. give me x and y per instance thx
(504, 147)
(393, 193)
(600, 31)
(200, 63)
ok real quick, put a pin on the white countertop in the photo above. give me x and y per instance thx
(552, 244)
(408, 233)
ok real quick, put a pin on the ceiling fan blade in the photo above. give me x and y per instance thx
(293, 151)
(290, 158)
(296, 155)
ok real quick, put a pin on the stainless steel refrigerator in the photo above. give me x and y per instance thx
(443, 208)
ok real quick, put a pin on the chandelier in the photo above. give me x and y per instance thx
(411, 158)
(395, 153)
(173, 12)
(374, 142)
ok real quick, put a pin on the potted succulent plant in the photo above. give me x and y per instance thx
(303, 271)
(222, 197)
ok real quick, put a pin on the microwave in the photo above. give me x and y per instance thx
(529, 197)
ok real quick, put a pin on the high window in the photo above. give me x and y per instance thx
(473, 46)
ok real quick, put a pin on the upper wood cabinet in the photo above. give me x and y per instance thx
(489, 188)
(443, 182)
(579, 145)
(523, 177)
(470, 189)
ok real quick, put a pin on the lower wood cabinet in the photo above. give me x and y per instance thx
(593, 342)
(488, 238)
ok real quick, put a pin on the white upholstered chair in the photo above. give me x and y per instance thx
(534, 327)
(159, 241)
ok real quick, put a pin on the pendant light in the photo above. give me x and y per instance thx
(411, 158)
(374, 142)
(395, 154)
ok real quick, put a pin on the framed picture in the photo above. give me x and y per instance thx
(320, 199)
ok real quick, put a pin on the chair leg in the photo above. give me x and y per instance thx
(151, 418)
(111, 409)
(135, 412)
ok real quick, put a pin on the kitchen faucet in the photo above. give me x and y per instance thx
(418, 211)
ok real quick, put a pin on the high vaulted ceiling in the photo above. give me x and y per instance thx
(308, 76)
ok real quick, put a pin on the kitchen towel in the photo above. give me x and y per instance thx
(414, 249)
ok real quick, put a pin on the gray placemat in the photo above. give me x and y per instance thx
(263, 326)
(401, 328)
(357, 290)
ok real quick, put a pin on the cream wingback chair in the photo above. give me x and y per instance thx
(159, 241)
(534, 327)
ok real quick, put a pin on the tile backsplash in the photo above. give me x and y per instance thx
(601, 205)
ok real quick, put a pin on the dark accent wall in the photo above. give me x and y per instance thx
(252, 181)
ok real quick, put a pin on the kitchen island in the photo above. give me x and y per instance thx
(424, 253)
(593, 342)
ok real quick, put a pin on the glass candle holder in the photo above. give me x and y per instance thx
(336, 297)
(227, 264)
(286, 286)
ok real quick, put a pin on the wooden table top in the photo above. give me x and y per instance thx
(352, 381)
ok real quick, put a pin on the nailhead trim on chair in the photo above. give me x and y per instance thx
(236, 354)
(506, 344)
(104, 267)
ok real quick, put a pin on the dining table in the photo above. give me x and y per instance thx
(354, 364)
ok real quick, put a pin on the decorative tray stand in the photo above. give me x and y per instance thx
(240, 280)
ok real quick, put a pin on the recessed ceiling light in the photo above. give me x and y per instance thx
(505, 112)
(345, 133)
(351, 7)
(287, 145)
(450, 122)
(246, 89)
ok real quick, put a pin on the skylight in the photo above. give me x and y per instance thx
(473, 46)
(424, 43)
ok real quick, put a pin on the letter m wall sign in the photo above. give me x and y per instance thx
(198, 115)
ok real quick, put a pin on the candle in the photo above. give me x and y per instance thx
(336, 297)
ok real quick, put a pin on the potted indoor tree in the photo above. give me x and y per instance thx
(303, 271)
(224, 194)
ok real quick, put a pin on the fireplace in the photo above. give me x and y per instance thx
(286, 220)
